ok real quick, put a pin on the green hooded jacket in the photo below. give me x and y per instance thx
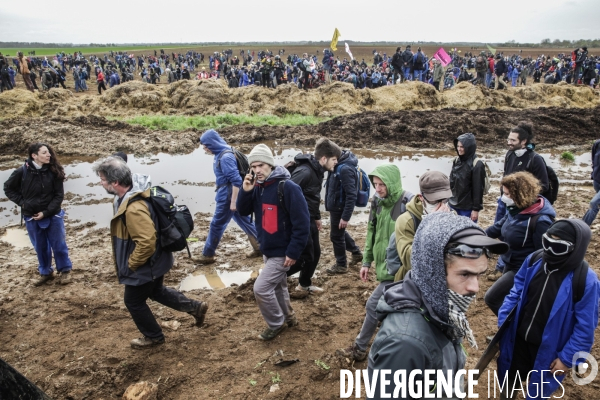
(375, 248)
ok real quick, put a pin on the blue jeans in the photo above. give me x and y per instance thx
(488, 79)
(463, 213)
(590, 215)
(406, 73)
(48, 236)
(418, 75)
(220, 220)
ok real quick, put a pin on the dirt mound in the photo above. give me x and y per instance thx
(214, 97)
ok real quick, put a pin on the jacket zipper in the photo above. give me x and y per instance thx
(539, 301)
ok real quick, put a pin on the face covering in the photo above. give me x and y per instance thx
(520, 152)
(507, 200)
(457, 307)
(428, 208)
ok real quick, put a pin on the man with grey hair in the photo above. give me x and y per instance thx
(139, 259)
(423, 316)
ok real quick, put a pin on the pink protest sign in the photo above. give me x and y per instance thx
(441, 55)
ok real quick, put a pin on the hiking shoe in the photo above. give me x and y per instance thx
(146, 342)
(310, 289)
(200, 313)
(357, 257)
(43, 279)
(204, 260)
(352, 352)
(270, 334)
(337, 270)
(64, 278)
(254, 254)
(292, 321)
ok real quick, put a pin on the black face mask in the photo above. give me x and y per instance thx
(554, 260)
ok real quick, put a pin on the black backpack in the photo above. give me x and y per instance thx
(579, 275)
(241, 161)
(419, 61)
(175, 223)
(552, 192)
(301, 66)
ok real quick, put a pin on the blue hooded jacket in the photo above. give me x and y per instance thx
(224, 164)
(570, 326)
(596, 162)
(282, 229)
(514, 232)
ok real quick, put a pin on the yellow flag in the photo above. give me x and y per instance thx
(336, 35)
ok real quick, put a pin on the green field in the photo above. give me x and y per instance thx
(179, 123)
(86, 50)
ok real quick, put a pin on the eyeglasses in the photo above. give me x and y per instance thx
(465, 251)
(434, 202)
(556, 246)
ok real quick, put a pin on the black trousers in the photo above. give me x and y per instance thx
(309, 259)
(341, 240)
(494, 297)
(135, 300)
(101, 86)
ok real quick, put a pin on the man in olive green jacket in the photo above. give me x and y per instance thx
(435, 191)
(388, 190)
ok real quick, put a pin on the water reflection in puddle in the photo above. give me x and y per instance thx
(190, 177)
(18, 237)
(216, 279)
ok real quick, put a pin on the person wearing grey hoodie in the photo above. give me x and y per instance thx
(423, 321)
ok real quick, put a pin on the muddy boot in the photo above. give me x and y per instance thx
(357, 257)
(64, 278)
(255, 253)
(292, 321)
(352, 353)
(204, 260)
(337, 270)
(270, 334)
(145, 343)
(199, 313)
(43, 279)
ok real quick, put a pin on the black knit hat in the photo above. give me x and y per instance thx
(563, 230)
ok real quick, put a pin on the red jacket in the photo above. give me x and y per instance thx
(100, 76)
(491, 62)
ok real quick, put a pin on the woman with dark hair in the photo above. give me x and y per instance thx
(37, 187)
(529, 216)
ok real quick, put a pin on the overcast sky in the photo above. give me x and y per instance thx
(70, 21)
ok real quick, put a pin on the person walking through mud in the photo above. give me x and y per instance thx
(100, 80)
(24, 70)
(228, 184)
(388, 197)
(340, 198)
(591, 214)
(467, 178)
(308, 173)
(140, 261)
(529, 217)
(37, 187)
(283, 225)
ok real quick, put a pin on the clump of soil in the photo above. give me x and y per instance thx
(211, 97)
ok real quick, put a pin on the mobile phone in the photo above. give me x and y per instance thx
(253, 175)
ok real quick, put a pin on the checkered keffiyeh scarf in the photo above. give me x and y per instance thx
(457, 307)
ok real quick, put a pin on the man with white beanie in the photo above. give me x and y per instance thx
(283, 226)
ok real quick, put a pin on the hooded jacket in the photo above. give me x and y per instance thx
(309, 176)
(596, 162)
(340, 193)
(514, 231)
(569, 327)
(381, 225)
(467, 181)
(224, 165)
(282, 229)
(405, 235)
(137, 254)
(415, 332)
(537, 166)
(39, 191)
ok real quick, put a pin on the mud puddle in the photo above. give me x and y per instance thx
(190, 178)
(217, 278)
(18, 237)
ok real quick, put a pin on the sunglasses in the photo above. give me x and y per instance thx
(556, 246)
(465, 251)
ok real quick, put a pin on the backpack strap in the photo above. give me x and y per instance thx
(400, 207)
(579, 275)
(416, 221)
(221, 155)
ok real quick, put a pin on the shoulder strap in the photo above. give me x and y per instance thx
(137, 198)
(531, 225)
(579, 280)
(535, 256)
(221, 155)
(416, 221)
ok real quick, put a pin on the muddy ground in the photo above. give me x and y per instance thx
(73, 341)
(97, 136)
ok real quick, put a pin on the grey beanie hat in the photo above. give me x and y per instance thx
(262, 153)
(428, 269)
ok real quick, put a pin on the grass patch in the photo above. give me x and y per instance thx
(322, 365)
(180, 123)
(567, 156)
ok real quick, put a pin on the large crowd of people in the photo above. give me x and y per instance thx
(426, 250)
(270, 69)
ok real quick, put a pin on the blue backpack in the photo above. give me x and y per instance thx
(363, 186)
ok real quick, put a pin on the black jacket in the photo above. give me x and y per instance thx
(40, 191)
(407, 58)
(309, 176)
(500, 67)
(397, 61)
(340, 194)
(530, 162)
(467, 181)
